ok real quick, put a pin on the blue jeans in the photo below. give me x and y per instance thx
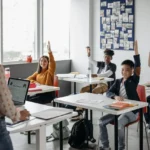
(5, 141)
(122, 121)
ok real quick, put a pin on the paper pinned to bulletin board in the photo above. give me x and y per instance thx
(117, 24)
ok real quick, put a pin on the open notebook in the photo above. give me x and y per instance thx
(52, 113)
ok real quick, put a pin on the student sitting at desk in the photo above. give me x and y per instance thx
(124, 88)
(105, 69)
(44, 75)
(8, 109)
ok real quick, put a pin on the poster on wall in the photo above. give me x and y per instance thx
(117, 24)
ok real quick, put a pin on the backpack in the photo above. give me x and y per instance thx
(81, 132)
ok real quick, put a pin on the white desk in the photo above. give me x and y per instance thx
(40, 125)
(86, 80)
(89, 82)
(72, 100)
(45, 88)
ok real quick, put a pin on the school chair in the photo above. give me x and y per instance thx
(142, 95)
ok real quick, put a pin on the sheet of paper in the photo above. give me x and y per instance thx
(66, 75)
(81, 76)
(99, 78)
(89, 101)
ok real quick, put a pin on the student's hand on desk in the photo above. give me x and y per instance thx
(94, 75)
(24, 114)
(118, 98)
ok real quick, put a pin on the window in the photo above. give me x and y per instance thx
(56, 16)
(19, 28)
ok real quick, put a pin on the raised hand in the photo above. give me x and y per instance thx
(136, 47)
(88, 51)
(49, 46)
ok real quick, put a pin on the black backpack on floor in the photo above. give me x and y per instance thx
(81, 132)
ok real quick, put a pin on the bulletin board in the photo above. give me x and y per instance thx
(117, 21)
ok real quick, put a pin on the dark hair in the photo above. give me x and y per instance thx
(88, 47)
(39, 68)
(109, 52)
(128, 62)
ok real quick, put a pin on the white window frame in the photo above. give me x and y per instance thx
(38, 34)
(38, 46)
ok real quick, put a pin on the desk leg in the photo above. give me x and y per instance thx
(141, 130)
(91, 112)
(54, 104)
(29, 137)
(86, 114)
(116, 133)
(41, 138)
(61, 135)
(74, 84)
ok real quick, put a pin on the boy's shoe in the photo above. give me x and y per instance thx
(147, 126)
(102, 148)
(79, 116)
(76, 118)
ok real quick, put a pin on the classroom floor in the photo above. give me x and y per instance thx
(20, 140)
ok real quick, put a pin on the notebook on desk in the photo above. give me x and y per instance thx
(120, 105)
(52, 113)
(18, 89)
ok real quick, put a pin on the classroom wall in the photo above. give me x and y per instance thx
(85, 30)
(25, 70)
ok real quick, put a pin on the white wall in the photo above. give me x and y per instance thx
(85, 30)
(79, 35)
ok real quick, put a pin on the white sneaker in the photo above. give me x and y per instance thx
(147, 126)
(76, 118)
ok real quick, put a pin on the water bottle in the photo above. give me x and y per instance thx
(89, 73)
(7, 74)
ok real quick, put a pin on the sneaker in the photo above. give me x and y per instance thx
(76, 118)
(50, 138)
(147, 126)
(102, 148)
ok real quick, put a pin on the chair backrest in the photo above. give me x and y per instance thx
(56, 83)
(142, 95)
